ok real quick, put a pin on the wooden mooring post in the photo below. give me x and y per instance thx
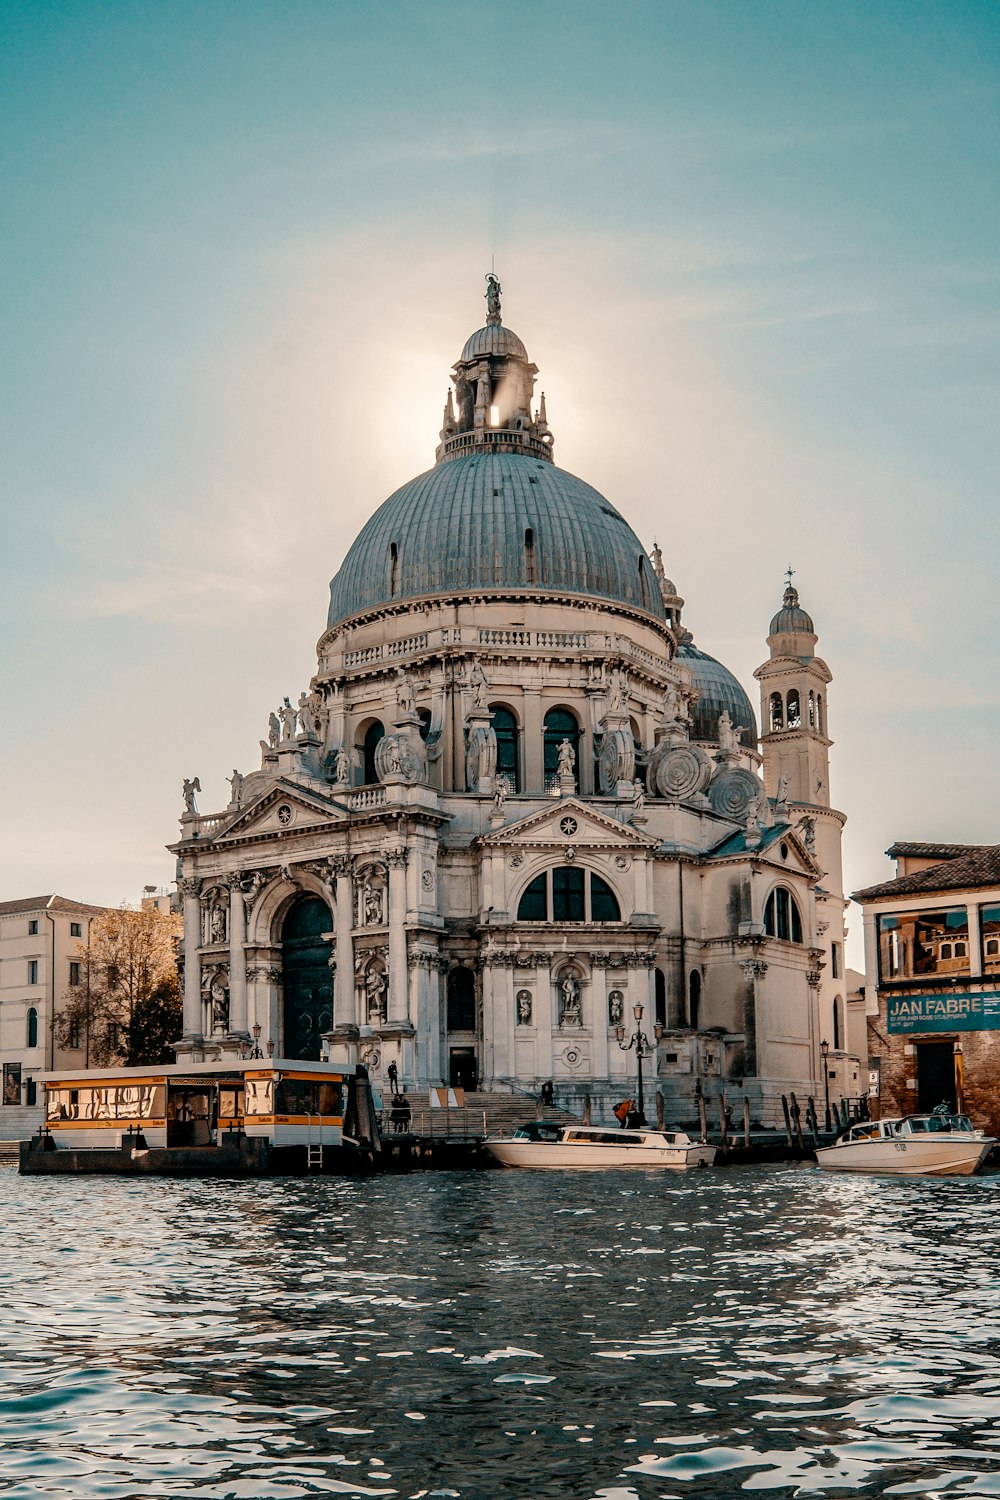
(746, 1122)
(788, 1120)
(797, 1122)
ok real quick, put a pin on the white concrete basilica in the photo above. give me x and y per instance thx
(517, 802)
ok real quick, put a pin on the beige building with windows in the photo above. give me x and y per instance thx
(40, 938)
(932, 955)
(516, 803)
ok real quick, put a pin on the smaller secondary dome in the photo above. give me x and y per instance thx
(791, 618)
(495, 340)
(718, 690)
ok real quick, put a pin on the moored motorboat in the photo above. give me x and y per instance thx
(934, 1145)
(547, 1144)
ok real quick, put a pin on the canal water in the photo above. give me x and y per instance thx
(601, 1336)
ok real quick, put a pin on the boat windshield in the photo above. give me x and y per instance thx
(538, 1130)
(934, 1124)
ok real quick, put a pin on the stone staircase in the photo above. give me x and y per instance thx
(18, 1122)
(483, 1114)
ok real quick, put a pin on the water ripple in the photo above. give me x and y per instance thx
(591, 1337)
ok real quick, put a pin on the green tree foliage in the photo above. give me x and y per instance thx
(127, 1007)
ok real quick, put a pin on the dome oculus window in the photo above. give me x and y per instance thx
(567, 893)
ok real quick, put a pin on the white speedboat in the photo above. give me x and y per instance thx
(935, 1145)
(543, 1143)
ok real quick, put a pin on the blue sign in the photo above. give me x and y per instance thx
(950, 1012)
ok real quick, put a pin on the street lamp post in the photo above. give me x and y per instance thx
(824, 1052)
(643, 1048)
(253, 1051)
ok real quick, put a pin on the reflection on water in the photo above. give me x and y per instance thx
(600, 1336)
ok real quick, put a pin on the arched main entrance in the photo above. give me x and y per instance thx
(308, 980)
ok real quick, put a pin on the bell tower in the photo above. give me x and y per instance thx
(793, 709)
(796, 745)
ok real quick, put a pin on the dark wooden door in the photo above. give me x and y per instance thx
(935, 1075)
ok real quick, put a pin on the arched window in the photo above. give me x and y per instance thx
(812, 709)
(529, 555)
(603, 901)
(461, 1000)
(508, 760)
(819, 713)
(32, 1038)
(373, 734)
(694, 998)
(560, 725)
(660, 992)
(793, 711)
(568, 903)
(393, 569)
(837, 1039)
(781, 916)
(568, 894)
(424, 715)
(777, 713)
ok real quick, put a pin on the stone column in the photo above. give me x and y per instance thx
(754, 970)
(237, 958)
(600, 1065)
(344, 988)
(399, 979)
(190, 890)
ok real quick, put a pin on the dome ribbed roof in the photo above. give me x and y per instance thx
(791, 618)
(462, 527)
(719, 690)
(493, 339)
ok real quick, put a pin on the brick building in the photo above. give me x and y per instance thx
(932, 956)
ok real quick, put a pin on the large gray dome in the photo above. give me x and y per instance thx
(496, 522)
(719, 690)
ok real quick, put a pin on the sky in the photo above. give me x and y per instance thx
(751, 247)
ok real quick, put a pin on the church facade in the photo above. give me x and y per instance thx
(516, 803)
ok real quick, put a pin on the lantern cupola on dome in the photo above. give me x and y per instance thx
(494, 384)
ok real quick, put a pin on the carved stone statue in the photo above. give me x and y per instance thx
(673, 707)
(808, 827)
(220, 1005)
(617, 690)
(235, 788)
(191, 786)
(754, 811)
(480, 685)
(567, 758)
(493, 291)
(288, 718)
(499, 792)
(375, 985)
(781, 794)
(217, 925)
(405, 691)
(728, 735)
(393, 759)
(305, 714)
(638, 796)
(616, 1007)
(524, 1007)
(273, 731)
(342, 765)
(570, 988)
(373, 908)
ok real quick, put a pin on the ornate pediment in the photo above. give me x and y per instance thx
(570, 821)
(284, 808)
